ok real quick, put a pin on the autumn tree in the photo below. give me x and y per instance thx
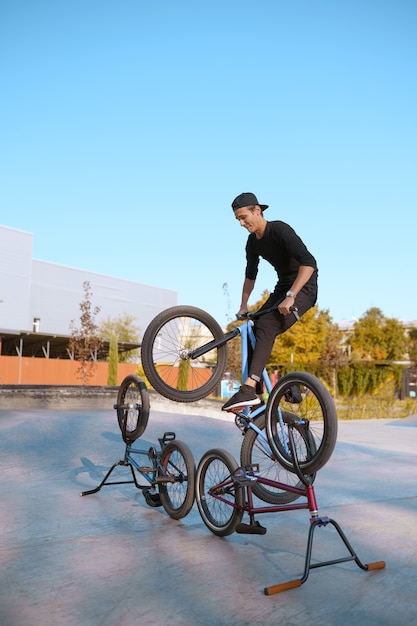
(305, 341)
(85, 342)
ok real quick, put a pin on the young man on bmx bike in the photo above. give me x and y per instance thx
(296, 268)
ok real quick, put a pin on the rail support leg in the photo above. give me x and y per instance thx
(105, 482)
(315, 522)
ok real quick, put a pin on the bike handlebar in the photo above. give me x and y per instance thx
(204, 349)
(254, 315)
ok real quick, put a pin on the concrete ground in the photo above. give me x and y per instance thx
(108, 559)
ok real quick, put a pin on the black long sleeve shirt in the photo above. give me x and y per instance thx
(283, 249)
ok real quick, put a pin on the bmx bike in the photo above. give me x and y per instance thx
(224, 492)
(169, 472)
(184, 356)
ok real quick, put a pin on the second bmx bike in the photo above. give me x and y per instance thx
(168, 473)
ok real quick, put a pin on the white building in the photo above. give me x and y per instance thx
(41, 297)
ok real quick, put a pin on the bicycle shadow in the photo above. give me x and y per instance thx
(89, 467)
(95, 471)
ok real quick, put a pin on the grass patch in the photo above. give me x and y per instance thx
(379, 405)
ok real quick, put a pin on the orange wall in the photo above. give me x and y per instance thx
(39, 371)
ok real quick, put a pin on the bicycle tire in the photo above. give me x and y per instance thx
(216, 468)
(177, 461)
(314, 412)
(166, 345)
(132, 419)
(253, 453)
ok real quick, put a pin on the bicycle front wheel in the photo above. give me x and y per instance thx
(217, 494)
(256, 451)
(300, 402)
(167, 354)
(178, 475)
(132, 407)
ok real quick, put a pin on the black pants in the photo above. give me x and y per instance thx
(272, 324)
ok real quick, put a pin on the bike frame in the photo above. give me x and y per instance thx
(246, 478)
(248, 338)
(150, 473)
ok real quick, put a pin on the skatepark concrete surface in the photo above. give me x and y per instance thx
(109, 559)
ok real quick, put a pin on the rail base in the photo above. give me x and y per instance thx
(105, 482)
(315, 522)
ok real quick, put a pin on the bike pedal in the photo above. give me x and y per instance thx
(250, 529)
(237, 410)
(244, 480)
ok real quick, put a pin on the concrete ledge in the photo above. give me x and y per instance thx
(88, 397)
(208, 407)
(56, 397)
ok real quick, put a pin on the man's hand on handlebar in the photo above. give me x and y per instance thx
(286, 306)
(242, 314)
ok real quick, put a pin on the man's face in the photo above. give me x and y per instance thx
(249, 217)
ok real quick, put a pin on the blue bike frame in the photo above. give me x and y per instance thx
(247, 335)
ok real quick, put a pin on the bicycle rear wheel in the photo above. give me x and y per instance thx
(256, 451)
(177, 495)
(217, 494)
(301, 402)
(132, 407)
(167, 346)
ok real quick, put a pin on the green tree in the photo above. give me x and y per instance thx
(412, 344)
(377, 338)
(184, 368)
(125, 330)
(333, 356)
(395, 339)
(367, 338)
(85, 342)
(113, 360)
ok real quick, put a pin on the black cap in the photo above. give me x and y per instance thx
(247, 199)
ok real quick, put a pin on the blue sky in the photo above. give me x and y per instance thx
(128, 127)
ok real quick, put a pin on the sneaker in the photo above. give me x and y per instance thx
(246, 396)
(293, 395)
